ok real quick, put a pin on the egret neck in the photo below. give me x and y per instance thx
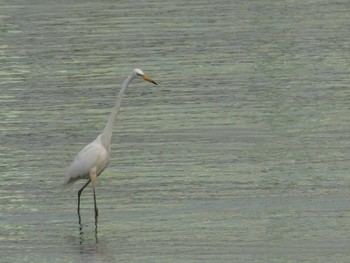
(106, 135)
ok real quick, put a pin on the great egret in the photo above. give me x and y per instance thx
(93, 158)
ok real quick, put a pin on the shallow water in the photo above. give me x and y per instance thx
(241, 154)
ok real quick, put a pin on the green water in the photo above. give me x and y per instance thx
(241, 154)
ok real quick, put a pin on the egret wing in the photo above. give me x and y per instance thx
(92, 155)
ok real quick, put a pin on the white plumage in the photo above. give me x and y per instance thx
(94, 157)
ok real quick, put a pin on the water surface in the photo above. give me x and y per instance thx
(241, 154)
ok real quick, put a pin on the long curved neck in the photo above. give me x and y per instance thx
(106, 135)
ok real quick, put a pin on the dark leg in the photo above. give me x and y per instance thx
(79, 193)
(96, 210)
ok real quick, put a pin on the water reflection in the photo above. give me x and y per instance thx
(90, 248)
(81, 228)
(82, 235)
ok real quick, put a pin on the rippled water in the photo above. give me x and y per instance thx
(241, 154)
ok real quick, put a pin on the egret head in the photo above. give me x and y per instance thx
(141, 74)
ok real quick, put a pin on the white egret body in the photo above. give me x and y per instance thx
(93, 158)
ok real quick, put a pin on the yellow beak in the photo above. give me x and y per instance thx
(148, 78)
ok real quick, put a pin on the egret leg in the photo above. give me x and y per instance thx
(79, 193)
(93, 182)
(96, 210)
